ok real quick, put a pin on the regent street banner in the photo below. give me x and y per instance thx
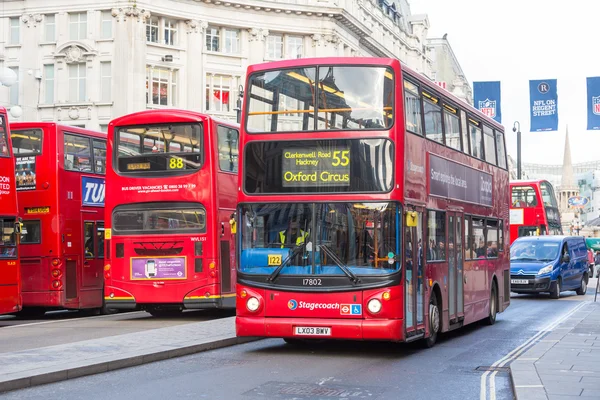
(487, 99)
(593, 103)
(543, 98)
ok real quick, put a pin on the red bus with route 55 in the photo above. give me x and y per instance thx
(533, 209)
(10, 291)
(60, 188)
(172, 187)
(373, 205)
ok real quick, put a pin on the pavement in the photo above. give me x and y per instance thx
(565, 362)
(37, 366)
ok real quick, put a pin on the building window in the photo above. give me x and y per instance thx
(15, 30)
(78, 26)
(50, 28)
(105, 82)
(14, 89)
(170, 32)
(294, 46)
(232, 41)
(107, 21)
(161, 85)
(152, 30)
(212, 39)
(218, 89)
(49, 84)
(274, 47)
(77, 82)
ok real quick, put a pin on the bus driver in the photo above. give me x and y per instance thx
(296, 235)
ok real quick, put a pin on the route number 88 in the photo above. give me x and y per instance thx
(176, 163)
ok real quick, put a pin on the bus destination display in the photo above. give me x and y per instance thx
(310, 166)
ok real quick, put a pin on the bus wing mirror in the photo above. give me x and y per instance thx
(18, 227)
(232, 225)
(411, 219)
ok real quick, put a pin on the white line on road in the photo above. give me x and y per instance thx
(65, 320)
(518, 351)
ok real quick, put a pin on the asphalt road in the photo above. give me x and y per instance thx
(60, 327)
(270, 369)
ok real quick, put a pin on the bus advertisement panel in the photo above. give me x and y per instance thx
(373, 205)
(171, 192)
(10, 291)
(533, 209)
(62, 206)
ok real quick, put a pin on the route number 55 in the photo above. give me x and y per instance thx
(344, 160)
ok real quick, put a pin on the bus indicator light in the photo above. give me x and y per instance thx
(386, 296)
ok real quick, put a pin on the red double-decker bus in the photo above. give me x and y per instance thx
(172, 186)
(373, 205)
(10, 291)
(533, 209)
(60, 187)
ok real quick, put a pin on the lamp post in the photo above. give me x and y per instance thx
(517, 128)
(239, 103)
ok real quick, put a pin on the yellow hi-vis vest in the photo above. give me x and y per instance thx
(299, 240)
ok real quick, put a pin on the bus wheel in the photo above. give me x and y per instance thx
(434, 321)
(583, 288)
(491, 318)
(31, 312)
(164, 313)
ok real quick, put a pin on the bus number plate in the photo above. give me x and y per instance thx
(274, 259)
(311, 331)
(519, 281)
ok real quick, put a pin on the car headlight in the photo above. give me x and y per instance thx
(546, 270)
(252, 304)
(374, 306)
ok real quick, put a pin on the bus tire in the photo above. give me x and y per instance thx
(583, 288)
(491, 318)
(434, 320)
(31, 312)
(556, 288)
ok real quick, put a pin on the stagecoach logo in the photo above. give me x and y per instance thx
(92, 191)
(418, 169)
(292, 304)
(596, 105)
(488, 107)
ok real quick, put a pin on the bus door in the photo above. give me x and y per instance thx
(414, 304)
(455, 267)
(72, 261)
(227, 253)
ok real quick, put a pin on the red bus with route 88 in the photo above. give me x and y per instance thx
(10, 279)
(171, 192)
(373, 205)
(60, 187)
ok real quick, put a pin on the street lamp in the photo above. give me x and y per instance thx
(238, 108)
(517, 128)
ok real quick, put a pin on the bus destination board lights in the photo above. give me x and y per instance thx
(313, 167)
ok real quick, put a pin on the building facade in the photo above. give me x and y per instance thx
(86, 62)
(447, 70)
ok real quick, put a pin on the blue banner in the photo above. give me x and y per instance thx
(544, 105)
(593, 102)
(487, 99)
(92, 191)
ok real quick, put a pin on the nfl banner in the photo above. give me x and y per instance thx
(487, 99)
(544, 105)
(593, 101)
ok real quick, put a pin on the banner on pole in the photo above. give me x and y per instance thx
(543, 97)
(593, 103)
(487, 99)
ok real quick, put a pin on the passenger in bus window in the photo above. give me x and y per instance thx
(492, 249)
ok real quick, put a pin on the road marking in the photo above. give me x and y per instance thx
(65, 320)
(529, 386)
(518, 351)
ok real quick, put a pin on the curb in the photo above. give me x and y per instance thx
(60, 373)
(533, 392)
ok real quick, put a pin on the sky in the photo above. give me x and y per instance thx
(513, 41)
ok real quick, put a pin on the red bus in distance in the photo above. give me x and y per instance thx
(62, 206)
(533, 209)
(373, 205)
(172, 186)
(10, 291)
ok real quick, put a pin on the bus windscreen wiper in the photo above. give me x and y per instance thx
(340, 264)
(275, 273)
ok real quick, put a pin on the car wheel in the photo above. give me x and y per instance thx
(583, 288)
(555, 292)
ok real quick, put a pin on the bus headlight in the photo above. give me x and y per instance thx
(546, 270)
(374, 306)
(252, 304)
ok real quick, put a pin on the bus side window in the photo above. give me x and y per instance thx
(100, 237)
(88, 232)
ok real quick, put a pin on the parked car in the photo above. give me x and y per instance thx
(549, 264)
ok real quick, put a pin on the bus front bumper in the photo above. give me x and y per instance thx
(349, 329)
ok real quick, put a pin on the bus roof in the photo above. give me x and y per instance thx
(51, 125)
(390, 62)
(527, 181)
(167, 115)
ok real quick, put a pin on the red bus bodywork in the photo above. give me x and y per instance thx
(533, 209)
(202, 260)
(292, 307)
(10, 291)
(60, 187)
